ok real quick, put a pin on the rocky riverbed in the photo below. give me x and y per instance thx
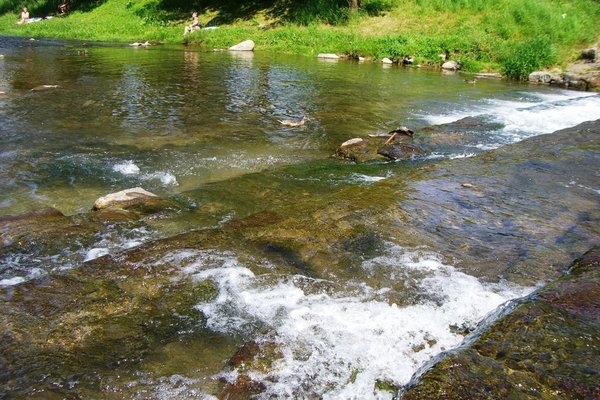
(519, 214)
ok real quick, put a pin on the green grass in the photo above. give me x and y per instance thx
(512, 36)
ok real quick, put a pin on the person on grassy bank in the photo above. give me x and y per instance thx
(24, 16)
(63, 7)
(195, 25)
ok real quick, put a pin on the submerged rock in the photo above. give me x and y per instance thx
(131, 198)
(548, 347)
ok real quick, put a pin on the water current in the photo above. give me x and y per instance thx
(81, 120)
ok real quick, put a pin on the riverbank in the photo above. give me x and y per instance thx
(504, 36)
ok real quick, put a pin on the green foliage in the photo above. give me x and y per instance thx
(490, 34)
(308, 12)
(520, 61)
(377, 7)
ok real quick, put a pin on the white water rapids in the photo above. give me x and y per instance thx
(335, 344)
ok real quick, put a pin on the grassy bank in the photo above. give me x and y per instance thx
(511, 36)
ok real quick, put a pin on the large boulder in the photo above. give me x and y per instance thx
(583, 76)
(246, 45)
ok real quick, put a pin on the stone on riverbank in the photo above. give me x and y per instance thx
(246, 45)
(544, 77)
(451, 65)
(546, 345)
(329, 56)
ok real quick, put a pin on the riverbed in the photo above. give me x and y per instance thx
(281, 271)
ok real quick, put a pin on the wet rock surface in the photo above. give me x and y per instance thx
(527, 211)
(395, 145)
(547, 347)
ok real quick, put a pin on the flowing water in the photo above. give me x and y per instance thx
(203, 129)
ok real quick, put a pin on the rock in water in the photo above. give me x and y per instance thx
(128, 198)
(451, 65)
(399, 151)
(246, 45)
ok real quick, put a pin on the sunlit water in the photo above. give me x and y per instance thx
(176, 121)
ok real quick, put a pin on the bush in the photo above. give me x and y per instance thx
(527, 57)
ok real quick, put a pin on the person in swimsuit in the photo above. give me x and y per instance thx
(24, 16)
(195, 24)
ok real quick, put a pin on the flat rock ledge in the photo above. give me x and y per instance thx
(546, 347)
(129, 198)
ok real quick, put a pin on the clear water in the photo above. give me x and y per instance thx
(203, 128)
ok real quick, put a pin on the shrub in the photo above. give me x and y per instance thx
(526, 57)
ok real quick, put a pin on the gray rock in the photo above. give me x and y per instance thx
(544, 77)
(330, 56)
(451, 65)
(589, 54)
(358, 150)
(246, 45)
(386, 61)
(127, 198)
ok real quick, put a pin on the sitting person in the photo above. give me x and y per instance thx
(24, 16)
(63, 7)
(195, 24)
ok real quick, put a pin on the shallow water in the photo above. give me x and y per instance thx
(202, 129)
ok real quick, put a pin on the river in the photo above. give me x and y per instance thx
(283, 271)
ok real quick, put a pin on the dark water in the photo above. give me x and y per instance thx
(202, 129)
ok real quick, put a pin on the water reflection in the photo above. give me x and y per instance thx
(199, 117)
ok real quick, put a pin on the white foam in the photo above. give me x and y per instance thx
(115, 241)
(366, 178)
(12, 281)
(336, 345)
(529, 115)
(96, 253)
(126, 168)
(166, 178)
(16, 280)
(549, 117)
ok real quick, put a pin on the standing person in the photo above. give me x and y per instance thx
(24, 16)
(195, 24)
